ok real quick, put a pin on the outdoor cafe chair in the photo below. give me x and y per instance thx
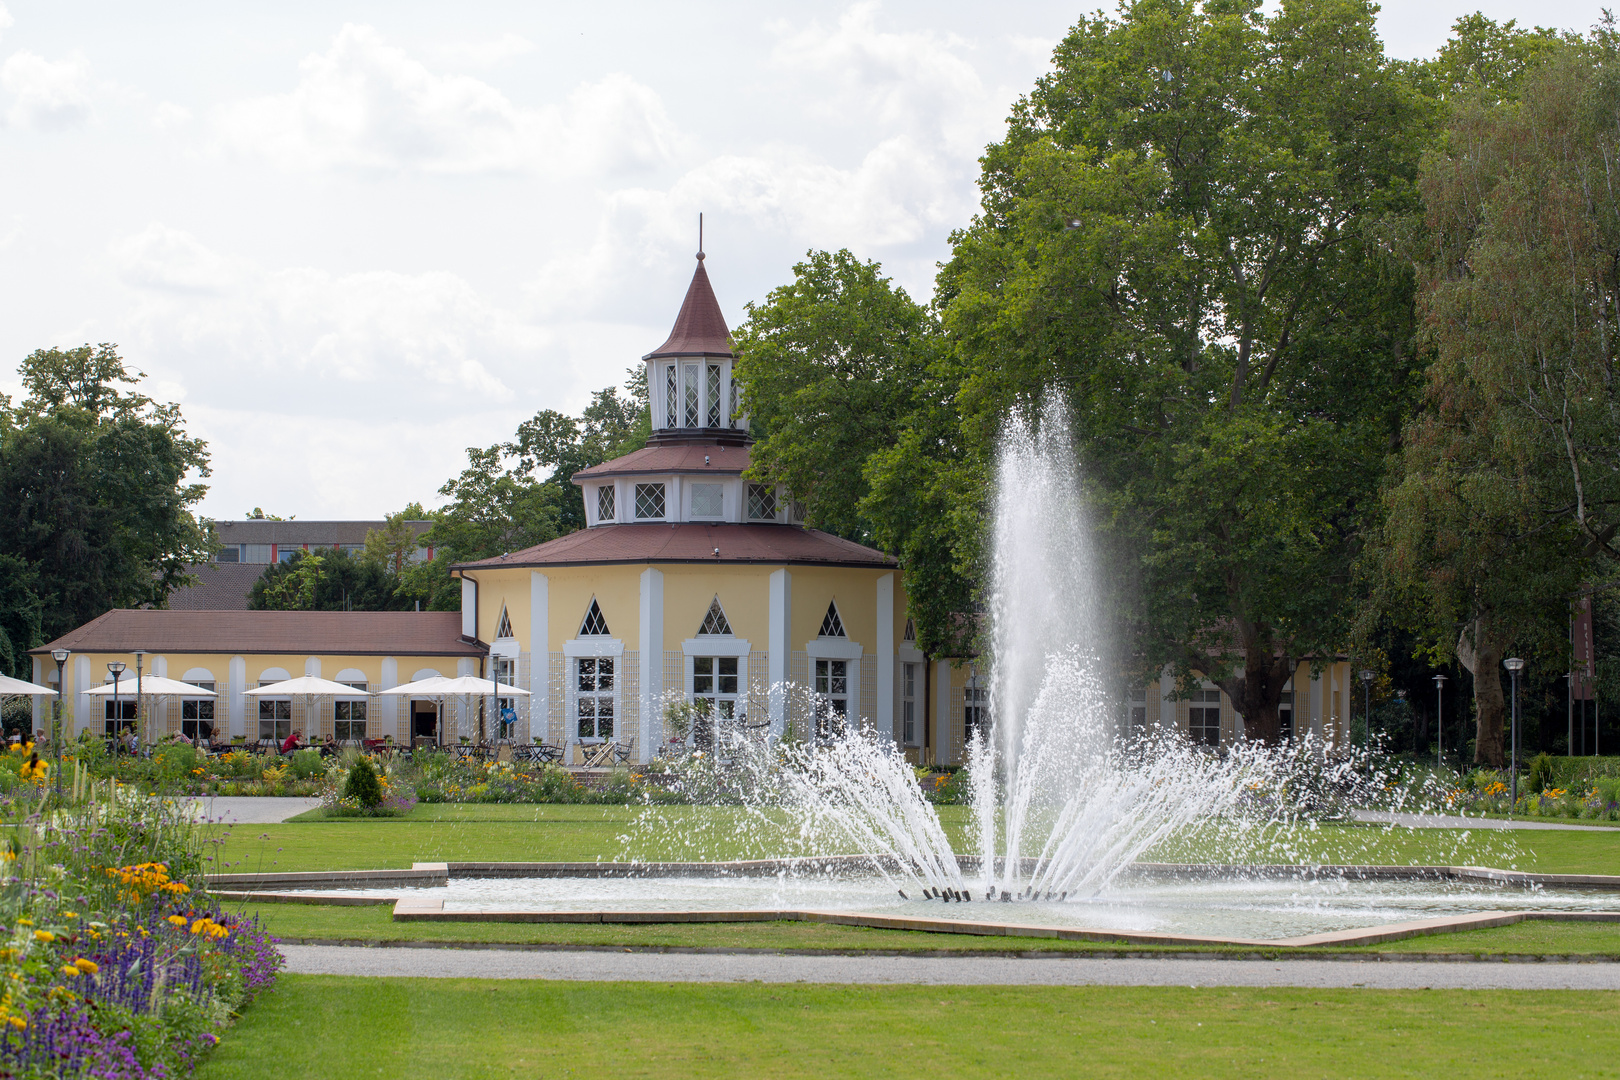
(623, 752)
(597, 756)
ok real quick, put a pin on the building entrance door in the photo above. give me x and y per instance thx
(424, 720)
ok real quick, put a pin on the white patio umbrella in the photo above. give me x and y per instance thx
(10, 687)
(150, 686)
(434, 688)
(308, 687)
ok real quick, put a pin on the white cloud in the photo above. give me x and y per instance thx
(159, 257)
(915, 81)
(6, 21)
(370, 105)
(46, 95)
(169, 116)
(306, 340)
(480, 55)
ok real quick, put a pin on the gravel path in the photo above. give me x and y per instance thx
(1447, 821)
(943, 971)
(252, 809)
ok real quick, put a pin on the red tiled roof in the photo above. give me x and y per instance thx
(699, 328)
(723, 461)
(693, 542)
(358, 633)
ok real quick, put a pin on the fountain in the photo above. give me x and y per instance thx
(1066, 806)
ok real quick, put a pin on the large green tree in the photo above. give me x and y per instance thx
(1185, 234)
(558, 445)
(1507, 493)
(97, 488)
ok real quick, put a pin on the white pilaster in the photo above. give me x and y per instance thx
(312, 666)
(779, 648)
(81, 706)
(941, 738)
(651, 655)
(160, 667)
(885, 657)
(540, 654)
(235, 683)
(390, 679)
(469, 608)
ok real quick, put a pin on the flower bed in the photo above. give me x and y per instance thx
(113, 960)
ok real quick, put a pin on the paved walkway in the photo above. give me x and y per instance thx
(1448, 821)
(943, 971)
(252, 809)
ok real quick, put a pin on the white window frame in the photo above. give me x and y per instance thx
(691, 502)
(637, 508)
(1204, 698)
(909, 701)
(576, 649)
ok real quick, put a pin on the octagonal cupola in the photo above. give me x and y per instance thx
(690, 381)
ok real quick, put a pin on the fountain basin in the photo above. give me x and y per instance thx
(1237, 904)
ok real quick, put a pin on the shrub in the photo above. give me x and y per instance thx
(1541, 773)
(307, 764)
(362, 784)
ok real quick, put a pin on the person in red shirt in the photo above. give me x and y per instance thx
(291, 743)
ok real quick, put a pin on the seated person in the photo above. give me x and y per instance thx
(290, 743)
(329, 747)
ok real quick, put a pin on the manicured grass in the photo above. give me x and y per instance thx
(320, 922)
(459, 833)
(440, 1029)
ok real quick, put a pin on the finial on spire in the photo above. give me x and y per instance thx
(700, 236)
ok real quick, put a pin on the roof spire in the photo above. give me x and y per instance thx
(700, 236)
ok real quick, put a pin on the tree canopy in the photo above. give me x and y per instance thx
(97, 488)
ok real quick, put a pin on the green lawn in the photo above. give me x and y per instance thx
(324, 923)
(456, 833)
(440, 1029)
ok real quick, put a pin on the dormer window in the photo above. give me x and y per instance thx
(761, 502)
(671, 399)
(649, 502)
(604, 503)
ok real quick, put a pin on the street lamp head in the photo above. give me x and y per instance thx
(1439, 680)
(1366, 676)
(59, 655)
(116, 667)
(1513, 663)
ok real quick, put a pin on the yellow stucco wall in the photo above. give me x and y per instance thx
(166, 715)
(744, 592)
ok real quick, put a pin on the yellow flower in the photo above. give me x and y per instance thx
(70, 914)
(89, 967)
(178, 920)
(17, 1022)
(44, 935)
(70, 971)
(25, 922)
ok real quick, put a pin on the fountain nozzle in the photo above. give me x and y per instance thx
(902, 893)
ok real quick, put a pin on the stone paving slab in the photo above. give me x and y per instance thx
(1456, 821)
(251, 809)
(596, 965)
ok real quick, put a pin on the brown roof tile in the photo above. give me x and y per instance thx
(694, 542)
(358, 633)
(219, 587)
(723, 461)
(699, 328)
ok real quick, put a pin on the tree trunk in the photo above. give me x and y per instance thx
(1258, 691)
(1481, 653)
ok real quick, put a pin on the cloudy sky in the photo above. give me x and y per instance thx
(354, 239)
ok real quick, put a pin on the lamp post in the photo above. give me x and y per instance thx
(60, 656)
(116, 668)
(1366, 703)
(1439, 721)
(1514, 664)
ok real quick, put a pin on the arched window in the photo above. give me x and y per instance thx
(831, 624)
(594, 625)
